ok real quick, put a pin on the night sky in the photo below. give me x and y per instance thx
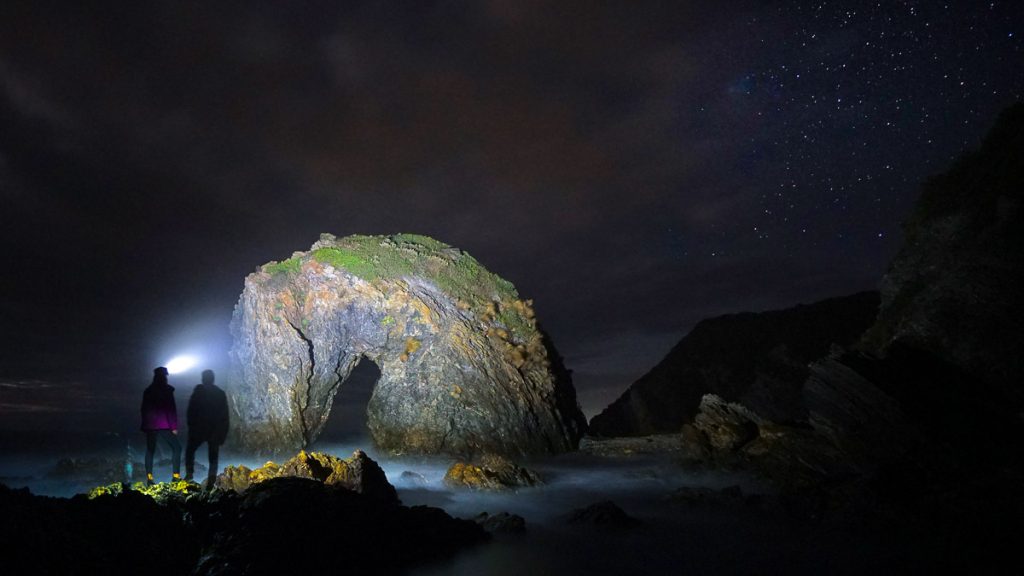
(633, 167)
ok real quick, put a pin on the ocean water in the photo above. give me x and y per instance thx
(669, 539)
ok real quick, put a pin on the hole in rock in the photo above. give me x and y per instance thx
(346, 424)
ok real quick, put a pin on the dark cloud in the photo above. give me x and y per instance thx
(633, 167)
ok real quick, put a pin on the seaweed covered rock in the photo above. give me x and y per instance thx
(464, 367)
(493, 473)
(358, 473)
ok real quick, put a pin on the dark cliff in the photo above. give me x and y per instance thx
(953, 291)
(759, 359)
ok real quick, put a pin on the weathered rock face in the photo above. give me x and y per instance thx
(954, 288)
(758, 359)
(358, 473)
(493, 473)
(464, 368)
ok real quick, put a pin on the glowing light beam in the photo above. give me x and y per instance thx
(179, 364)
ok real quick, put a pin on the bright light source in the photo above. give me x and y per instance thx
(179, 364)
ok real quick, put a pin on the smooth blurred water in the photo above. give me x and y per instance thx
(671, 539)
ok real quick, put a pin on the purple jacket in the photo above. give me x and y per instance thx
(158, 409)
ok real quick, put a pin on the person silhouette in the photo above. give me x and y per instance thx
(160, 420)
(207, 422)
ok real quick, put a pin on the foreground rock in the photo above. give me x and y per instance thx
(300, 526)
(280, 526)
(464, 368)
(358, 473)
(493, 473)
(759, 360)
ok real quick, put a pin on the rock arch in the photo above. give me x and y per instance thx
(464, 368)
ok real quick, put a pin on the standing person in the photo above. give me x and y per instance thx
(207, 422)
(160, 420)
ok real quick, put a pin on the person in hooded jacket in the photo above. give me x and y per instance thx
(160, 420)
(207, 422)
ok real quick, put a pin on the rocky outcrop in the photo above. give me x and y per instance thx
(955, 286)
(492, 473)
(358, 473)
(606, 513)
(759, 360)
(727, 426)
(503, 522)
(464, 367)
(281, 526)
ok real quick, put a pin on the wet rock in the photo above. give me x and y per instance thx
(501, 522)
(358, 473)
(493, 473)
(605, 513)
(464, 367)
(759, 360)
(413, 478)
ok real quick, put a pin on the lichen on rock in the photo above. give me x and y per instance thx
(358, 473)
(491, 473)
(464, 367)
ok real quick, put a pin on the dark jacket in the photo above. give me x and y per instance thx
(208, 414)
(158, 409)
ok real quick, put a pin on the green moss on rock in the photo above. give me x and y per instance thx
(407, 256)
(289, 266)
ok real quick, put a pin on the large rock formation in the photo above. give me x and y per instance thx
(954, 289)
(758, 359)
(464, 367)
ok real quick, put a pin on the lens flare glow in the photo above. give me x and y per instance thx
(179, 364)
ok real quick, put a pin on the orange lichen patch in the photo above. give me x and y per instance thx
(518, 356)
(499, 333)
(493, 473)
(411, 346)
(425, 313)
(314, 465)
(524, 308)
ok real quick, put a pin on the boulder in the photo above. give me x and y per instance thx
(358, 473)
(728, 426)
(605, 513)
(464, 367)
(493, 473)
